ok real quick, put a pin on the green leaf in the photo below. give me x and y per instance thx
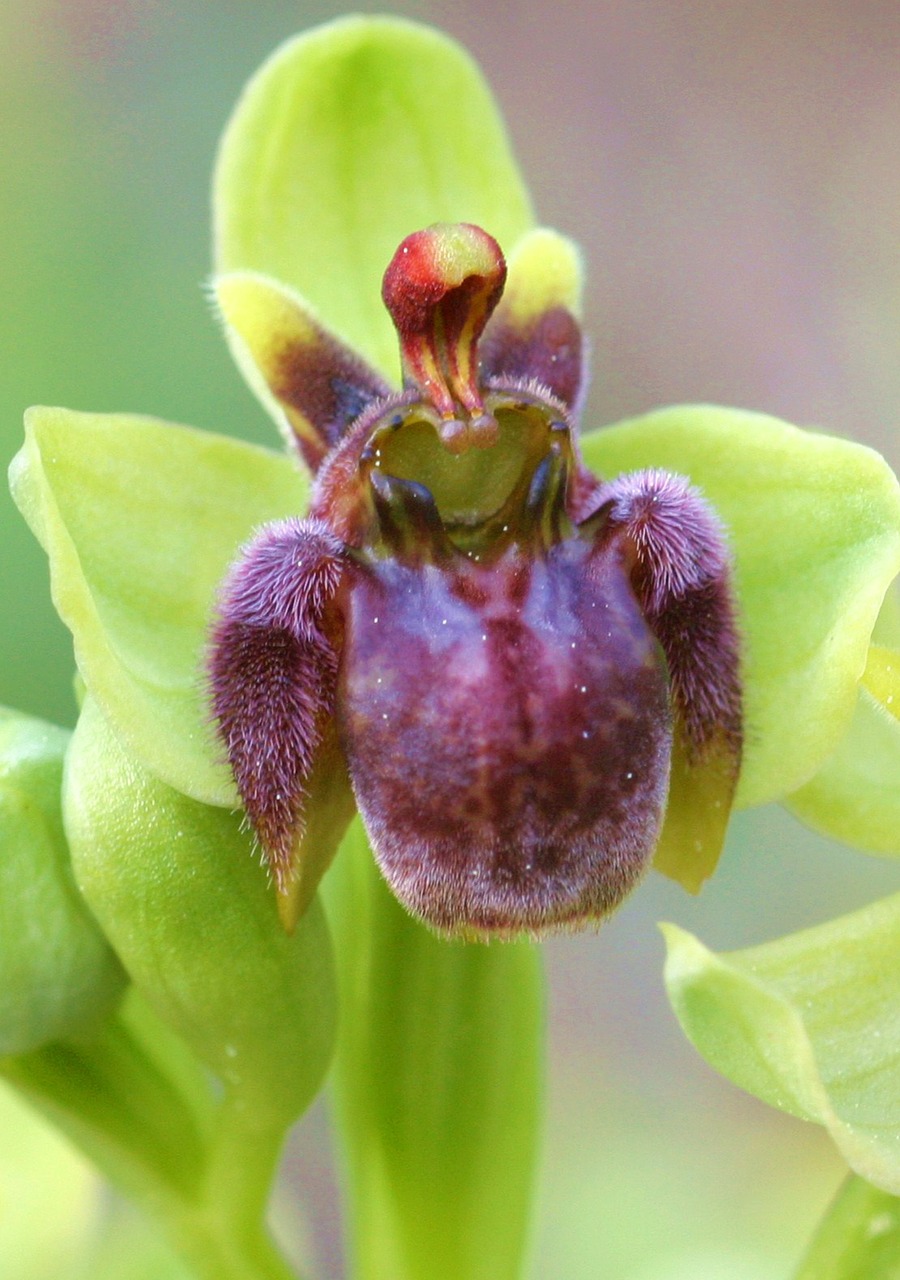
(58, 975)
(437, 1084)
(855, 796)
(187, 907)
(815, 526)
(859, 1238)
(140, 520)
(349, 138)
(810, 1024)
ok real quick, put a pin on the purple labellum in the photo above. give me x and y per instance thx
(500, 654)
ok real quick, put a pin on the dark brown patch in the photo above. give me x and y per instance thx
(324, 387)
(548, 349)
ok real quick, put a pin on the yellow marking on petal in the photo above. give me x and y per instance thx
(264, 322)
(544, 271)
(291, 905)
(882, 678)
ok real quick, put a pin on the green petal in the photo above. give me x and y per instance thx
(58, 975)
(438, 1084)
(855, 796)
(349, 138)
(815, 526)
(859, 1238)
(810, 1024)
(306, 378)
(185, 903)
(140, 520)
(545, 271)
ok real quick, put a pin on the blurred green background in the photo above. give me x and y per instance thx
(733, 173)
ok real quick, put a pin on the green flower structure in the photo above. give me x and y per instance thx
(337, 153)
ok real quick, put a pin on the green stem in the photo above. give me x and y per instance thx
(859, 1237)
(214, 1251)
(138, 1104)
(241, 1165)
(121, 1107)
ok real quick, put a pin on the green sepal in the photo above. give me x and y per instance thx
(437, 1086)
(859, 1238)
(185, 902)
(58, 974)
(810, 1024)
(347, 139)
(814, 523)
(855, 796)
(140, 520)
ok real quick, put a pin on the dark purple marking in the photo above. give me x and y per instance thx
(682, 576)
(547, 350)
(273, 674)
(328, 386)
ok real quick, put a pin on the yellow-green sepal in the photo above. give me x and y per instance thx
(140, 520)
(347, 139)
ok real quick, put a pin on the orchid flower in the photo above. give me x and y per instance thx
(536, 661)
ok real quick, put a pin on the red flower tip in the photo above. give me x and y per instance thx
(440, 288)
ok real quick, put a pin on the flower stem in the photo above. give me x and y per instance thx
(859, 1237)
(241, 1165)
(137, 1103)
(215, 1251)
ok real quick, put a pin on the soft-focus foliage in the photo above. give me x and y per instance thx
(38, 1168)
(860, 1238)
(135, 560)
